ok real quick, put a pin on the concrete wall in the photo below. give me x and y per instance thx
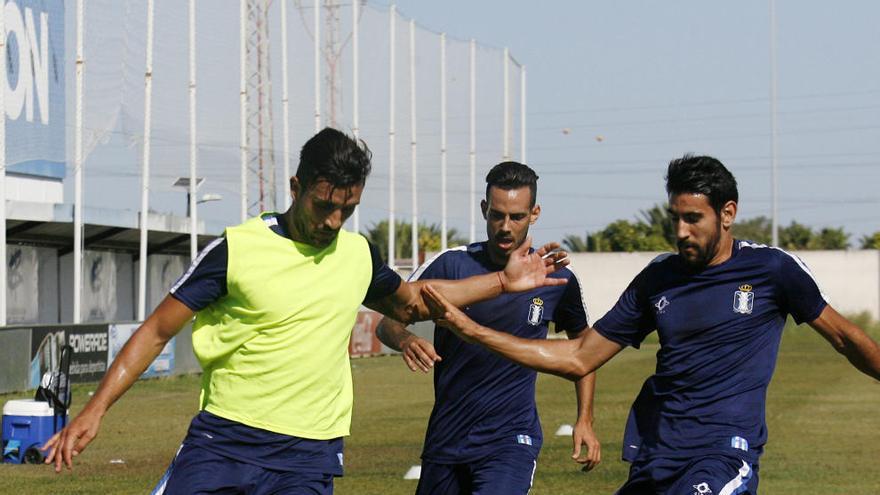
(850, 279)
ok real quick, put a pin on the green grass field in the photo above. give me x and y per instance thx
(822, 414)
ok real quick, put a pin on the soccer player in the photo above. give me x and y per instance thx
(275, 301)
(484, 434)
(719, 307)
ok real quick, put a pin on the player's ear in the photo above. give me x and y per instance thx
(484, 206)
(295, 187)
(534, 214)
(728, 214)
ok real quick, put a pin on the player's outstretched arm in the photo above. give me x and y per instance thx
(572, 359)
(137, 354)
(524, 271)
(850, 340)
(586, 448)
(418, 353)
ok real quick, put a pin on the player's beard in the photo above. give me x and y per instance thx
(704, 254)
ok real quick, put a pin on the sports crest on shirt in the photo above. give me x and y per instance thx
(536, 311)
(744, 300)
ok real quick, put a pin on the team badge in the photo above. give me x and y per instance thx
(702, 489)
(744, 299)
(536, 311)
(661, 305)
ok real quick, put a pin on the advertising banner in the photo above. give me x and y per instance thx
(88, 361)
(34, 88)
(120, 333)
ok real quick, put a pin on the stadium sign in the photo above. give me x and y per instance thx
(34, 87)
(88, 361)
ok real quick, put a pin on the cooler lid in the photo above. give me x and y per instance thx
(27, 407)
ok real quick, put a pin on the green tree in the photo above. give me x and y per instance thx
(575, 243)
(620, 236)
(829, 238)
(871, 241)
(429, 238)
(659, 223)
(623, 235)
(756, 229)
(795, 236)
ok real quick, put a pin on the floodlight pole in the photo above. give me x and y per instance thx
(413, 144)
(317, 49)
(506, 126)
(522, 114)
(392, 36)
(145, 169)
(355, 75)
(77, 170)
(285, 99)
(443, 235)
(773, 127)
(193, 150)
(242, 106)
(472, 152)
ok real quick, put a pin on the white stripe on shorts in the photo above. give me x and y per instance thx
(160, 487)
(532, 479)
(735, 485)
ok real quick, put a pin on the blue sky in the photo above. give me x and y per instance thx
(658, 79)
(615, 90)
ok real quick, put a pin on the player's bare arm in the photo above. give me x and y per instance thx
(850, 340)
(586, 448)
(572, 359)
(137, 354)
(524, 271)
(417, 353)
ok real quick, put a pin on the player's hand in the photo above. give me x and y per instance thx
(525, 271)
(453, 318)
(587, 449)
(72, 440)
(419, 354)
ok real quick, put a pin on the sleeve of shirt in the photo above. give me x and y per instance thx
(434, 268)
(385, 281)
(571, 313)
(205, 280)
(799, 293)
(627, 323)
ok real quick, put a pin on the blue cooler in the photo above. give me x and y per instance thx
(27, 425)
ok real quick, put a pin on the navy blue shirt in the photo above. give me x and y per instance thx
(719, 332)
(480, 398)
(202, 284)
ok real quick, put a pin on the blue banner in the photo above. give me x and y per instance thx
(35, 120)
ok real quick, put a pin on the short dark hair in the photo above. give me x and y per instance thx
(701, 175)
(512, 175)
(333, 156)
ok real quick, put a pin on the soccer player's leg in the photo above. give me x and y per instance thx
(717, 475)
(443, 479)
(509, 470)
(195, 470)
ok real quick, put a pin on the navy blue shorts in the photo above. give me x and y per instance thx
(196, 470)
(706, 475)
(509, 470)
